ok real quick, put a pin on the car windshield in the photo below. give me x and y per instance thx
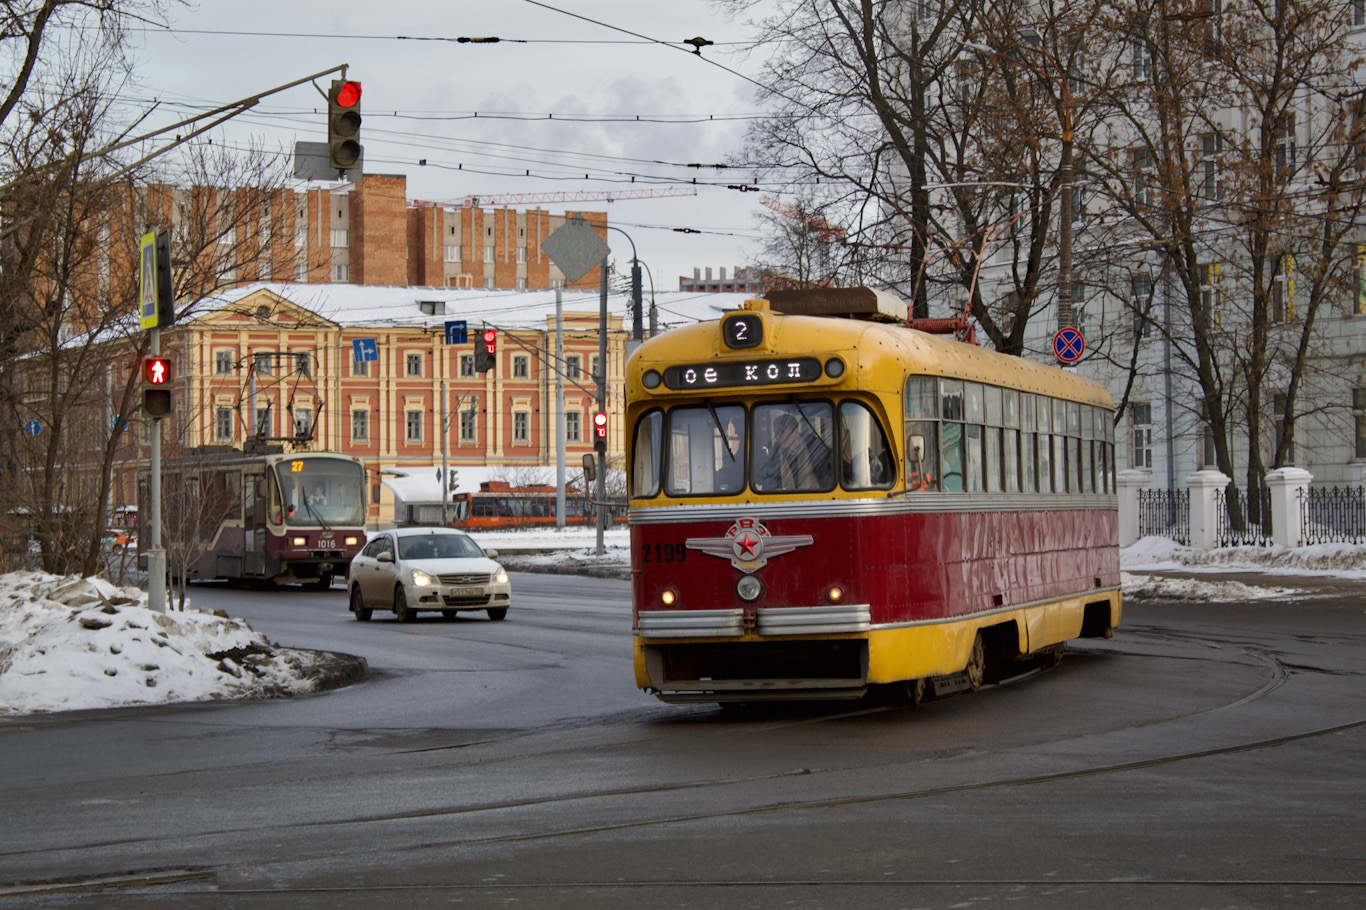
(437, 546)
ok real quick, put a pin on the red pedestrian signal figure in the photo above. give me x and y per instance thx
(486, 351)
(156, 387)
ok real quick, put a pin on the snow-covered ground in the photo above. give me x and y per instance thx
(70, 643)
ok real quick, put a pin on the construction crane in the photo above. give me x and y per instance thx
(826, 231)
(515, 199)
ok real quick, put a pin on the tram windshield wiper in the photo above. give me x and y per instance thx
(711, 409)
(810, 426)
(308, 507)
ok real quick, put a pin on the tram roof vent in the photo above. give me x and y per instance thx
(850, 303)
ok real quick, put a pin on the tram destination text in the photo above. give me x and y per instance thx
(739, 373)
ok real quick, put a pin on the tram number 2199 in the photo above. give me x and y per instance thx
(663, 552)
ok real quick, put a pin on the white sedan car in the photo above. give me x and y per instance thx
(412, 569)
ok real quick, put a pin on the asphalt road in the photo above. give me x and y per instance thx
(1208, 756)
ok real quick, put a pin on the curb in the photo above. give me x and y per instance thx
(331, 669)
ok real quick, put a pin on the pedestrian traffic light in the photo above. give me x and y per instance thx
(156, 387)
(343, 125)
(600, 429)
(486, 351)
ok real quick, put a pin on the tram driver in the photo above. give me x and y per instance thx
(789, 465)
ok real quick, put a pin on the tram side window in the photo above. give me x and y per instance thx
(993, 439)
(1011, 436)
(865, 456)
(1044, 440)
(922, 433)
(951, 438)
(1059, 445)
(646, 454)
(706, 451)
(1029, 446)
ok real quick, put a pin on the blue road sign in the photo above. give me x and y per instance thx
(457, 332)
(33, 427)
(1068, 345)
(364, 349)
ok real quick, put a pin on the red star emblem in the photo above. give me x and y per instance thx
(746, 543)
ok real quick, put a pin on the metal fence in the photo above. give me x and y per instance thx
(1333, 515)
(1165, 513)
(1245, 520)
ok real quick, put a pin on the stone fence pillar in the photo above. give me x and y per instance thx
(1207, 499)
(1130, 482)
(1289, 487)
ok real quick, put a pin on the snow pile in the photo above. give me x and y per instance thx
(72, 643)
(1158, 554)
(1152, 587)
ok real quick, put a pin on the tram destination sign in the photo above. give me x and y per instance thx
(729, 374)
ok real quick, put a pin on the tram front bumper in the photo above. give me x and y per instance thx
(770, 654)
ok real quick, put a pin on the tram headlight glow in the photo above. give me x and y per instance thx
(668, 598)
(353, 541)
(422, 579)
(834, 594)
(749, 588)
(298, 541)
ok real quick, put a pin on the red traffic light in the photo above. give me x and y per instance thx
(156, 371)
(490, 339)
(349, 94)
(599, 425)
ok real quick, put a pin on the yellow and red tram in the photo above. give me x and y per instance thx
(822, 505)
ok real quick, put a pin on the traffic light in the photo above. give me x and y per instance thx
(156, 387)
(600, 429)
(343, 125)
(486, 351)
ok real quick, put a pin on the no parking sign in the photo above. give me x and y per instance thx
(1068, 345)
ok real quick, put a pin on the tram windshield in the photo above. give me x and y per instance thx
(321, 492)
(776, 447)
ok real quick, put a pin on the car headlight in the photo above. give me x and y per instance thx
(422, 579)
(501, 576)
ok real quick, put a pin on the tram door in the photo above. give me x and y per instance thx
(255, 502)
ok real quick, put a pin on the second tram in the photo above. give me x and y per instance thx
(820, 506)
(286, 518)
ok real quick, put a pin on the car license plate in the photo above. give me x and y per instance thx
(466, 592)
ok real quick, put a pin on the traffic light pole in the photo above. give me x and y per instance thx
(156, 556)
(602, 404)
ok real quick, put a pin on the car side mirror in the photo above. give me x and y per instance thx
(590, 468)
(491, 554)
(386, 556)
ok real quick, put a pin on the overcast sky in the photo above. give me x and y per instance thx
(420, 97)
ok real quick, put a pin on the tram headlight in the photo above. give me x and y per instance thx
(749, 588)
(834, 594)
(834, 368)
(298, 541)
(422, 579)
(651, 379)
(353, 541)
(669, 597)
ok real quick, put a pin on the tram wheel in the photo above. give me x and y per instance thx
(401, 609)
(977, 664)
(358, 605)
(323, 583)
